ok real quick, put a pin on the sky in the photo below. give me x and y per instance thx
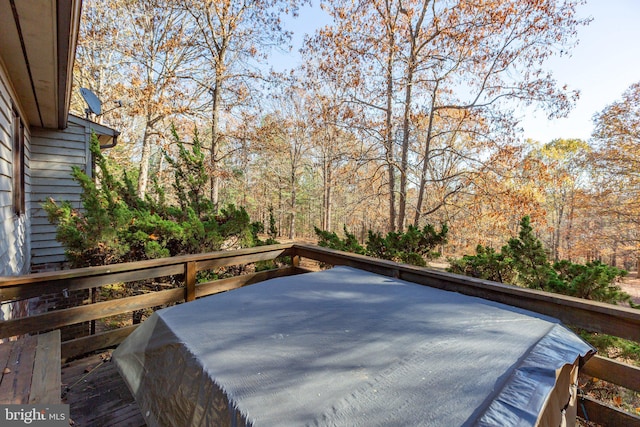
(602, 66)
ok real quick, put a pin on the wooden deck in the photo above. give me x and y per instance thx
(97, 395)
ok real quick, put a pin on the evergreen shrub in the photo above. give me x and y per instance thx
(115, 225)
(523, 261)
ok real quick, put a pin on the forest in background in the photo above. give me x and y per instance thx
(404, 113)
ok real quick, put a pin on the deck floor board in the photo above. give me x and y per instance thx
(97, 395)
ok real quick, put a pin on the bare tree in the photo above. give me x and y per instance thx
(231, 37)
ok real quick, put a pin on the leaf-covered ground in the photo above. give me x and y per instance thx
(631, 285)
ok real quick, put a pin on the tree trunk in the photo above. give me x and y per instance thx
(216, 93)
(280, 231)
(389, 152)
(215, 118)
(327, 197)
(143, 175)
(567, 239)
(406, 125)
(425, 160)
(557, 234)
(329, 200)
(292, 207)
(404, 162)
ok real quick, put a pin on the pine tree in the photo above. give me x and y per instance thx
(529, 258)
(523, 261)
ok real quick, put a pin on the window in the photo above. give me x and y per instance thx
(18, 163)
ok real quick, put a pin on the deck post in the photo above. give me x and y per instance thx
(295, 260)
(190, 281)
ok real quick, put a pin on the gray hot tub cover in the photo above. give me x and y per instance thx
(344, 347)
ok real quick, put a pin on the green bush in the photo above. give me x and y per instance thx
(333, 241)
(485, 264)
(523, 261)
(115, 225)
(594, 280)
(414, 246)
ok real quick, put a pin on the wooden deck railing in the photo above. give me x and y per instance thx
(588, 315)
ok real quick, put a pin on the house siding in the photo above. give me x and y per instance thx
(53, 154)
(14, 229)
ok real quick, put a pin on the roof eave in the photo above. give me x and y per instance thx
(68, 20)
(107, 136)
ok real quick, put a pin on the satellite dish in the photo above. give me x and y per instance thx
(93, 102)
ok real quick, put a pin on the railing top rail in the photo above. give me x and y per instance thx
(500, 292)
(133, 266)
(591, 315)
